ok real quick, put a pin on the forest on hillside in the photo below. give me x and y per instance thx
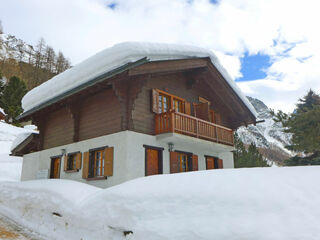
(32, 64)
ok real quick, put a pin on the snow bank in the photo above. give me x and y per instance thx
(10, 167)
(264, 204)
(114, 57)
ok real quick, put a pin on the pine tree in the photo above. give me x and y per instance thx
(247, 158)
(1, 28)
(11, 99)
(304, 125)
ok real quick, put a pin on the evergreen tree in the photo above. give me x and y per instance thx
(247, 158)
(11, 99)
(304, 125)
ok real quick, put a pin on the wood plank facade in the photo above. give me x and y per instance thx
(124, 102)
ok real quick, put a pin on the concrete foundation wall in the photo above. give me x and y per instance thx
(129, 155)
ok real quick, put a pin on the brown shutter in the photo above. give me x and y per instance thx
(210, 163)
(201, 110)
(174, 164)
(220, 163)
(187, 108)
(65, 163)
(195, 162)
(78, 161)
(155, 101)
(85, 169)
(218, 118)
(212, 116)
(108, 161)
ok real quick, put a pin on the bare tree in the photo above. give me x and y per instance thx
(49, 58)
(62, 63)
(40, 48)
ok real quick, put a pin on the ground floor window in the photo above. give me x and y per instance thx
(183, 162)
(98, 163)
(213, 163)
(71, 164)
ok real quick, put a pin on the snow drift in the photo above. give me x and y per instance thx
(10, 167)
(113, 58)
(268, 203)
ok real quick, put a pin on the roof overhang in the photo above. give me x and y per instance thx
(28, 145)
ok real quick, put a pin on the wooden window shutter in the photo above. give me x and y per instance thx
(155, 101)
(65, 163)
(174, 164)
(218, 118)
(201, 110)
(187, 108)
(220, 163)
(108, 161)
(78, 161)
(85, 169)
(195, 162)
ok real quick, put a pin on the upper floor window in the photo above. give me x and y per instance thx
(98, 163)
(163, 102)
(71, 164)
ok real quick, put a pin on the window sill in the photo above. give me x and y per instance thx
(71, 171)
(96, 178)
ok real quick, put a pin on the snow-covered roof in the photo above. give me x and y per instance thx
(113, 58)
(21, 138)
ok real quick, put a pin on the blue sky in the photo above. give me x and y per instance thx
(253, 67)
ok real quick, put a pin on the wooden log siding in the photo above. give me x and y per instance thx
(58, 129)
(100, 115)
(192, 126)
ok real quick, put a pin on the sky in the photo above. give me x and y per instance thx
(271, 48)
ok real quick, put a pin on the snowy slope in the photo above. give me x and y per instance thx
(10, 167)
(115, 57)
(266, 135)
(12, 47)
(233, 204)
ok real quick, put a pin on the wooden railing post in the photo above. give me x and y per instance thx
(172, 119)
(197, 128)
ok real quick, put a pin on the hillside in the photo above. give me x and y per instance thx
(268, 136)
(33, 64)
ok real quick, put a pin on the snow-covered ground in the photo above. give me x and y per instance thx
(257, 203)
(10, 167)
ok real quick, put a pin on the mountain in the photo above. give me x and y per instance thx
(268, 136)
(33, 64)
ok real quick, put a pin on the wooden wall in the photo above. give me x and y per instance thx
(100, 115)
(58, 128)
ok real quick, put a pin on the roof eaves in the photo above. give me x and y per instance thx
(85, 85)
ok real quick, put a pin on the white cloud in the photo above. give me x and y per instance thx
(82, 27)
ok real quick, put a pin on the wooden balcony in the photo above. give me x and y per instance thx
(176, 122)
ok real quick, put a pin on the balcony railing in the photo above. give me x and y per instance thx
(177, 122)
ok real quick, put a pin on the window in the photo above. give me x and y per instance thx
(72, 162)
(213, 163)
(183, 162)
(98, 163)
(71, 165)
(163, 102)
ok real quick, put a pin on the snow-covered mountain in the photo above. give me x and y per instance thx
(12, 47)
(268, 135)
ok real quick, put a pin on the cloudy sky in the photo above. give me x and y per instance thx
(270, 47)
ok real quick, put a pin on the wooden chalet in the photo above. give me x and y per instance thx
(142, 118)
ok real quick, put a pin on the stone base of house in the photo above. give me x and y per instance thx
(129, 156)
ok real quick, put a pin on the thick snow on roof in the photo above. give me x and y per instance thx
(20, 138)
(115, 57)
(257, 203)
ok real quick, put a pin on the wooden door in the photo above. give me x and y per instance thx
(152, 162)
(55, 168)
(210, 163)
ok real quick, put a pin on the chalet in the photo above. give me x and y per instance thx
(133, 110)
